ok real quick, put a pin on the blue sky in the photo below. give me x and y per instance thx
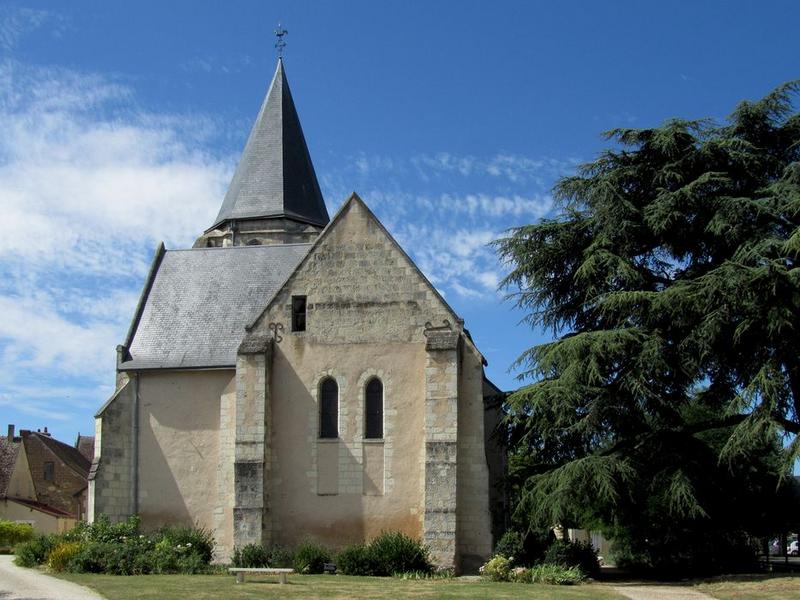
(121, 123)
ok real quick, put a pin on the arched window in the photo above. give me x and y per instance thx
(329, 409)
(254, 242)
(373, 409)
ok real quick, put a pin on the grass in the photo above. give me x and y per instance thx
(208, 587)
(753, 587)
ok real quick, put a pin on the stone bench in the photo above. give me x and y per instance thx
(240, 573)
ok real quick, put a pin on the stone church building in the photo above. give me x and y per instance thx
(296, 377)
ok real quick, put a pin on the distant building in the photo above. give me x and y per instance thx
(43, 481)
(294, 376)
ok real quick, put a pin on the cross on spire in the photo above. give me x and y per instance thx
(280, 44)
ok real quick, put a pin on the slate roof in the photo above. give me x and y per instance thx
(197, 303)
(275, 176)
(8, 456)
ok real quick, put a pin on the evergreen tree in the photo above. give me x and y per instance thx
(668, 405)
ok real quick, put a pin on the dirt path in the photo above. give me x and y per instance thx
(660, 592)
(17, 583)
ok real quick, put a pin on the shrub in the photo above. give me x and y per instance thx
(684, 555)
(520, 574)
(103, 530)
(61, 555)
(192, 564)
(250, 556)
(310, 558)
(555, 574)
(510, 546)
(280, 557)
(12, 534)
(497, 569)
(34, 553)
(119, 549)
(394, 552)
(573, 554)
(355, 560)
(524, 549)
(131, 556)
(199, 540)
(91, 558)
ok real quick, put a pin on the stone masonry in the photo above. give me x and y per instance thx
(441, 427)
(111, 481)
(251, 456)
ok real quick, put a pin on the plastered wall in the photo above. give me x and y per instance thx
(179, 435)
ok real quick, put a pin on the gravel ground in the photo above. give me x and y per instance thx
(17, 583)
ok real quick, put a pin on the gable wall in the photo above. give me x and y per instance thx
(360, 288)
(60, 492)
(367, 309)
(20, 484)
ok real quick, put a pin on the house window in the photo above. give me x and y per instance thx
(373, 400)
(49, 471)
(298, 313)
(329, 409)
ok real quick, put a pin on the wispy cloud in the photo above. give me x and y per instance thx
(209, 63)
(89, 182)
(16, 22)
(514, 168)
(446, 208)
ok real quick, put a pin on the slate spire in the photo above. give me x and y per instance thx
(275, 177)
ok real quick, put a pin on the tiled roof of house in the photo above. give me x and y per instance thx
(69, 455)
(8, 456)
(41, 507)
(197, 303)
(275, 176)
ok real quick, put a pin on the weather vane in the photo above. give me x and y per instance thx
(280, 44)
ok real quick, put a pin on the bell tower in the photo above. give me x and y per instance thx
(274, 196)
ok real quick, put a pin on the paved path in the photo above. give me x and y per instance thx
(17, 583)
(660, 592)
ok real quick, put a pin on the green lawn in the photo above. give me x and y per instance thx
(753, 588)
(208, 587)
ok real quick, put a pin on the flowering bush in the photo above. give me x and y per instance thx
(120, 549)
(497, 569)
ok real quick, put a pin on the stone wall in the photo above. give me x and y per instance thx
(111, 485)
(441, 449)
(251, 515)
(367, 309)
(473, 525)
(330, 489)
(259, 232)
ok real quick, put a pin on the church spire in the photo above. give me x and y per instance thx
(275, 178)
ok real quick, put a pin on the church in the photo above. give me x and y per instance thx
(294, 376)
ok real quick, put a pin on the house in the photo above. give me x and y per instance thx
(42, 481)
(296, 376)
